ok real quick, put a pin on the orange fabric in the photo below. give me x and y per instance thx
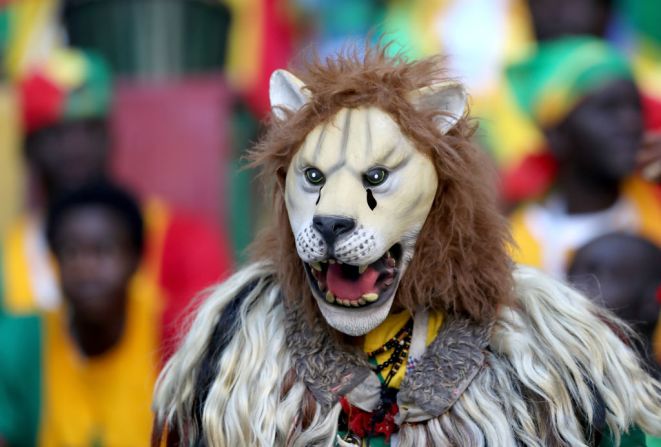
(643, 195)
(157, 218)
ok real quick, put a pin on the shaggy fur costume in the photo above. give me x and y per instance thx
(521, 359)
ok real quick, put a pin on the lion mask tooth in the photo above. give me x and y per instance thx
(361, 269)
(316, 266)
(370, 297)
(330, 297)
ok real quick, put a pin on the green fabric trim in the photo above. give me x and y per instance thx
(4, 36)
(20, 375)
(635, 437)
(92, 99)
(20, 379)
(644, 16)
(559, 73)
(372, 361)
(148, 39)
(244, 131)
(241, 203)
(375, 441)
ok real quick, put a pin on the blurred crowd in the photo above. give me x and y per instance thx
(124, 193)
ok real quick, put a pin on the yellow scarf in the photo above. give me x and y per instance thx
(387, 330)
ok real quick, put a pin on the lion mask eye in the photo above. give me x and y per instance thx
(375, 176)
(314, 176)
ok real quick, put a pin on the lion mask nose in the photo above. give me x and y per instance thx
(332, 227)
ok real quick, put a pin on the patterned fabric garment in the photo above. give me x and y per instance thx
(338, 377)
(553, 79)
(357, 419)
(377, 338)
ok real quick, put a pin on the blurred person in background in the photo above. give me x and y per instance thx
(530, 169)
(66, 103)
(628, 25)
(581, 94)
(82, 373)
(622, 272)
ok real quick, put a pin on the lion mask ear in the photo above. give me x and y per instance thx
(286, 92)
(446, 97)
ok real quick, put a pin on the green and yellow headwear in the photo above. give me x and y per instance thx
(550, 83)
(70, 85)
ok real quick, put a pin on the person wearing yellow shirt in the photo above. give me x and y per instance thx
(66, 104)
(82, 373)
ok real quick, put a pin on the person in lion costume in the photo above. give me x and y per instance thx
(383, 307)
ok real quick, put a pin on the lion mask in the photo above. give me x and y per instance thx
(357, 194)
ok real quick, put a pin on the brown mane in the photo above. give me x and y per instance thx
(461, 262)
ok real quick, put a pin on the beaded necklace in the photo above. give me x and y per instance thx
(399, 345)
(361, 426)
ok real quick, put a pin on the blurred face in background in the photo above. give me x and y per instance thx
(96, 261)
(623, 273)
(556, 18)
(69, 154)
(602, 135)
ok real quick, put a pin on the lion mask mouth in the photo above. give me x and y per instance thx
(356, 286)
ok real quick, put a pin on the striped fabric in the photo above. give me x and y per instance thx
(549, 83)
